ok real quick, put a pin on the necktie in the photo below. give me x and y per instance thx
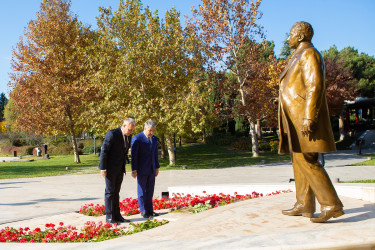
(125, 141)
(149, 142)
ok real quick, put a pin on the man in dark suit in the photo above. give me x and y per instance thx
(145, 166)
(305, 128)
(113, 157)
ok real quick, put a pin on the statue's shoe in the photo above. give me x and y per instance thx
(327, 214)
(298, 210)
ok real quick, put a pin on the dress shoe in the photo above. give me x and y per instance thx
(146, 215)
(327, 214)
(152, 213)
(112, 221)
(122, 219)
(298, 210)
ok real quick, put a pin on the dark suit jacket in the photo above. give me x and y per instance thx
(113, 154)
(144, 158)
(303, 96)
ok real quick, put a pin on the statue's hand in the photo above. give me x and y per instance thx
(307, 127)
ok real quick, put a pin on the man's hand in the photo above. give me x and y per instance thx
(134, 174)
(307, 127)
(103, 173)
(157, 172)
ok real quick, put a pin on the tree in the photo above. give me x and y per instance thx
(155, 72)
(230, 33)
(51, 73)
(286, 51)
(10, 115)
(274, 71)
(340, 86)
(362, 67)
(3, 103)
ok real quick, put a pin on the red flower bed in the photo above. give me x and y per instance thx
(91, 232)
(129, 206)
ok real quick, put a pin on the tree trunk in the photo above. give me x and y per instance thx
(204, 136)
(259, 130)
(341, 126)
(73, 135)
(179, 141)
(171, 152)
(254, 140)
(162, 145)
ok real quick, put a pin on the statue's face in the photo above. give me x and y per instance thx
(294, 38)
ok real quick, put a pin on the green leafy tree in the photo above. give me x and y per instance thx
(286, 51)
(3, 103)
(362, 67)
(51, 72)
(155, 74)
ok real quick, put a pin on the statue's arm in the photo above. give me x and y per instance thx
(313, 75)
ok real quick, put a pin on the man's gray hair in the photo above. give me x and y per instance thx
(127, 121)
(150, 123)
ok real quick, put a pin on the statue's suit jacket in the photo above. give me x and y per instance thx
(302, 95)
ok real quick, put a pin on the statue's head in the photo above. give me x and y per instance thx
(301, 31)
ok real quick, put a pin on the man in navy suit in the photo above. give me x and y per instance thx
(113, 157)
(145, 166)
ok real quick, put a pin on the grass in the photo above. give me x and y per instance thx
(205, 156)
(364, 163)
(362, 181)
(367, 163)
(54, 166)
(194, 157)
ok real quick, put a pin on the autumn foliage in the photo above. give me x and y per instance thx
(51, 69)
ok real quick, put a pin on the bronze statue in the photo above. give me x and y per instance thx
(305, 128)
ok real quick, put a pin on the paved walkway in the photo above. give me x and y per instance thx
(256, 223)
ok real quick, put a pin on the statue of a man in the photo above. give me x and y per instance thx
(305, 128)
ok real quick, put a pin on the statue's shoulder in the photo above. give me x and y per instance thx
(311, 53)
(311, 50)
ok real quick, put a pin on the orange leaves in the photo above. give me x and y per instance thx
(50, 70)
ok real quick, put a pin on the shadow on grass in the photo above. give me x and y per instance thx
(205, 156)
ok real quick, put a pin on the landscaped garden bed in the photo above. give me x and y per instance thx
(99, 231)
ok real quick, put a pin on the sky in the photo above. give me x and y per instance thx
(336, 22)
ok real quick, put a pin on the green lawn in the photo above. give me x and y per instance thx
(364, 181)
(367, 163)
(54, 166)
(194, 157)
(205, 156)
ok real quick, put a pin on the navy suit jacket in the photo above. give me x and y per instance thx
(113, 154)
(144, 158)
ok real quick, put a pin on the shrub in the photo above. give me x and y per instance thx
(264, 146)
(64, 149)
(29, 150)
(274, 146)
(221, 139)
(19, 142)
(81, 145)
(242, 143)
(90, 150)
